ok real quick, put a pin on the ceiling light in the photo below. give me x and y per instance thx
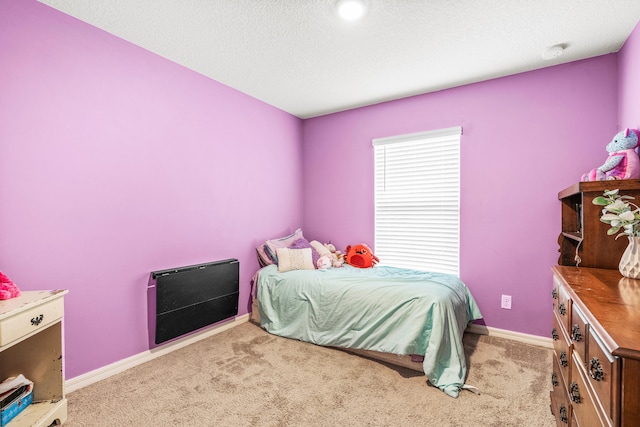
(552, 52)
(351, 9)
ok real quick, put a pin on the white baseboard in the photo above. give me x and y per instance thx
(511, 335)
(105, 372)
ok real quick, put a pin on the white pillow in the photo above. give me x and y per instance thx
(294, 259)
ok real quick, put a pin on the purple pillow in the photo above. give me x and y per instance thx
(283, 242)
(304, 243)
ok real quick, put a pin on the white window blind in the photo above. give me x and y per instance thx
(417, 200)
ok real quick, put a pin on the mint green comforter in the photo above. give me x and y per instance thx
(385, 309)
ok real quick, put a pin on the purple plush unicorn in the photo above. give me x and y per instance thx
(623, 161)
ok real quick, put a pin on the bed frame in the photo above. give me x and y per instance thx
(394, 359)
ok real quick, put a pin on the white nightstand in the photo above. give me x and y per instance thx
(31, 344)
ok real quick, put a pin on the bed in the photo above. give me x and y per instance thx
(410, 318)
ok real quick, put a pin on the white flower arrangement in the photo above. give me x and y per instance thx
(622, 215)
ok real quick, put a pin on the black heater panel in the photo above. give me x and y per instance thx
(192, 297)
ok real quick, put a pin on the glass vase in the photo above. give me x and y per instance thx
(630, 260)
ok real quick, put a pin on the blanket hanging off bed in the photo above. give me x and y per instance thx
(386, 309)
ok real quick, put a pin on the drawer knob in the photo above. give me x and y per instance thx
(575, 393)
(563, 359)
(595, 369)
(562, 309)
(575, 333)
(37, 320)
(554, 293)
(563, 414)
(554, 334)
(554, 379)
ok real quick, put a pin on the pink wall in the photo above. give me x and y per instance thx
(115, 162)
(629, 88)
(525, 138)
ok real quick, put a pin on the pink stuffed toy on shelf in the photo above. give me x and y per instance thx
(623, 161)
(8, 289)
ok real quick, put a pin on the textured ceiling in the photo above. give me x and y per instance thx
(297, 55)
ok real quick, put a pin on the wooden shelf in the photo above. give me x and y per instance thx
(583, 240)
(599, 187)
(576, 235)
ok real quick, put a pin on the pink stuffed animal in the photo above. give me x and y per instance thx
(8, 289)
(623, 161)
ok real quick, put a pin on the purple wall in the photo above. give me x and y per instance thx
(525, 138)
(629, 88)
(115, 162)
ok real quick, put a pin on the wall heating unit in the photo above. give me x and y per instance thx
(184, 299)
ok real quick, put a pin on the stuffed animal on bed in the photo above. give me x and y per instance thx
(337, 259)
(361, 256)
(623, 161)
(8, 289)
(329, 257)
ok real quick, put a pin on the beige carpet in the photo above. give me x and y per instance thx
(246, 377)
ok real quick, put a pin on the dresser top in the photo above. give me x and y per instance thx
(26, 300)
(610, 301)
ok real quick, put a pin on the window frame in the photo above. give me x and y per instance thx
(440, 176)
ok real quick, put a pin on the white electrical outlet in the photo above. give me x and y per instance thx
(505, 302)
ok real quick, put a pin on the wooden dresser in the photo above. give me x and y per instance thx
(596, 336)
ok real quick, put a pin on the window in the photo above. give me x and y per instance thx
(417, 200)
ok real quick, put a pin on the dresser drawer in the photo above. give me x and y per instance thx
(28, 321)
(562, 305)
(561, 409)
(583, 401)
(562, 348)
(578, 333)
(560, 406)
(603, 372)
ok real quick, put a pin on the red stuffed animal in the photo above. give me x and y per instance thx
(361, 256)
(8, 289)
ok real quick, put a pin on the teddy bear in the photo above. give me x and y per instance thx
(623, 161)
(337, 258)
(329, 256)
(8, 289)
